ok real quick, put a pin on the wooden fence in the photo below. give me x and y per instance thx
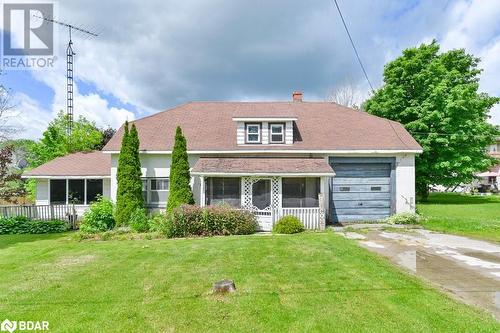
(42, 212)
(312, 218)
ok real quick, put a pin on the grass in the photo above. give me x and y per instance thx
(317, 282)
(476, 216)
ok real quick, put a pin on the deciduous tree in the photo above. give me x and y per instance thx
(436, 97)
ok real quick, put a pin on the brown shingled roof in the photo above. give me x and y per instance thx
(208, 126)
(78, 164)
(259, 165)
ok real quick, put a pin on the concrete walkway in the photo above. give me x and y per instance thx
(468, 269)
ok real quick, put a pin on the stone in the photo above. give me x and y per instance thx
(224, 286)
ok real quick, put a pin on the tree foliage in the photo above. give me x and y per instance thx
(55, 142)
(129, 193)
(435, 96)
(180, 190)
(7, 112)
(11, 185)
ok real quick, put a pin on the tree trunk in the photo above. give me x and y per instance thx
(423, 191)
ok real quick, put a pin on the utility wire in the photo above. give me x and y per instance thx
(353, 46)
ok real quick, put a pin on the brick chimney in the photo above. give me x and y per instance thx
(297, 96)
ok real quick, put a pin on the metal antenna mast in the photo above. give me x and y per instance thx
(69, 67)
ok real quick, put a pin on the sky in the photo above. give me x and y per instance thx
(153, 55)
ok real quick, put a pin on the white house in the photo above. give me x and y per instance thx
(490, 179)
(318, 160)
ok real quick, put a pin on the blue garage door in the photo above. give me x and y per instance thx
(360, 191)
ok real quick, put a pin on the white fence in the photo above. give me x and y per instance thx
(312, 218)
(43, 212)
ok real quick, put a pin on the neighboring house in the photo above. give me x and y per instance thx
(319, 161)
(490, 179)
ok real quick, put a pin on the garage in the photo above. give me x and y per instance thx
(362, 189)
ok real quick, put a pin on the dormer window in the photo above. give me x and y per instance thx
(253, 133)
(277, 133)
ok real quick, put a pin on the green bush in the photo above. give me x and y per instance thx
(187, 220)
(99, 217)
(23, 225)
(404, 218)
(139, 220)
(288, 225)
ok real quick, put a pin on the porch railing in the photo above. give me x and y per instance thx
(312, 218)
(42, 212)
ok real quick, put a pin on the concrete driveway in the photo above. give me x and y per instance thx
(468, 269)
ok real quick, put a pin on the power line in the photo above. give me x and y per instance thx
(354, 46)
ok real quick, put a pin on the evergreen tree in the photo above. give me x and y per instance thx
(129, 192)
(180, 177)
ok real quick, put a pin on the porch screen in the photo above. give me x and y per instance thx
(223, 191)
(94, 188)
(76, 191)
(300, 192)
(58, 191)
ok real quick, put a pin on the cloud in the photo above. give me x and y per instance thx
(29, 117)
(154, 55)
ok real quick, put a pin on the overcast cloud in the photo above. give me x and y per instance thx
(153, 55)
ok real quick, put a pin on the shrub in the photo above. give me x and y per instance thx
(404, 218)
(23, 225)
(99, 217)
(187, 220)
(139, 220)
(288, 225)
(158, 223)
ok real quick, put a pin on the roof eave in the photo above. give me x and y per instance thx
(65, 176)
(264, 174)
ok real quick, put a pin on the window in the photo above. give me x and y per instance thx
(300, 192)
(76, 191)
(155, 190)
(159, 190)
(344, 189)
(376, 188)
(94, 189)
(277, 133)
(223, 191)
(58, 191)
(253, 133)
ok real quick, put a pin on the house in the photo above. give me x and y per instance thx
(490, 179)
(320, 161)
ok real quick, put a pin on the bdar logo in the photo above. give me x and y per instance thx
(8, 326)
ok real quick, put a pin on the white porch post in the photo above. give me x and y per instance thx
(202, 190)
(323, 201)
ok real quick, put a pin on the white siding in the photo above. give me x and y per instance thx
(42, 191)
(265, 133)
(289, 132)
(405, 183)
(106, 188)
(240, 133)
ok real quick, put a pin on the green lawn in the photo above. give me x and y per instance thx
(317, 282)
(476, 216)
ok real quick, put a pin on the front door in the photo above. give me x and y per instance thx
(261, 199)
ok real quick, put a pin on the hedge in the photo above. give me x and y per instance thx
(188, 220)
(23, 225)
